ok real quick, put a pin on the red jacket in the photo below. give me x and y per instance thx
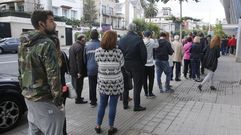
(232, 42)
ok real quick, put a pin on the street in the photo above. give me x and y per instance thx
(9, 64)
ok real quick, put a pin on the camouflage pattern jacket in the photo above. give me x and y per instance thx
(39, 72)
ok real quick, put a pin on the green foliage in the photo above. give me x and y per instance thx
(141, 26)
(90, 12)
(218, 30)
(152, 1)
(154, 28)
(145, 2)
(151, 10)
(165, 1)
(178, 20)
(72, 22)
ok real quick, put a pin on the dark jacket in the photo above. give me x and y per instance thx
(224, 43)
(133, 49)
(204, 44)
(64, 68)
(196, 51)
(89, 57)
(76, 60)
(210, 60)
(164, 49)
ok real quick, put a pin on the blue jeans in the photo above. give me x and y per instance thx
(195, 68)
(163, 66)
(223, 49)
(112, 108)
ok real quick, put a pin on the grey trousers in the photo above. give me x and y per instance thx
(44, 118)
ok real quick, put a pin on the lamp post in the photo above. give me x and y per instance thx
(181, 21)
(100, 17)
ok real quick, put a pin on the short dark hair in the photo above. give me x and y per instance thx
(109, 40)
(40, 15)
(189, 39)
(94, 34)
(147, 33)
(163, 34)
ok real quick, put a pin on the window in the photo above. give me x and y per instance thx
(110, 11)
(104, 20)
(65, 12)
(55, 10)
(73, 14)
(165, 12)
(103, 9)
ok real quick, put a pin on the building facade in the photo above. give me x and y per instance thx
(233, 16)
(72, 9)
(161, 20)
(108, 13)
(132, 10)
(15, 21)
(232, 10)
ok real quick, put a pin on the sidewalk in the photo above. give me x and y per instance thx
(186, 112)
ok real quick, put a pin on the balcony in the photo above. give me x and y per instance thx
(10, 1)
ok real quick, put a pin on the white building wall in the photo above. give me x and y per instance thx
(17, 25)
(75, 5)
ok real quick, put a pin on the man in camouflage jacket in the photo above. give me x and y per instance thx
(39, 76)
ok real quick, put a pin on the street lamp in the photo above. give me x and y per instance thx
(100, 17)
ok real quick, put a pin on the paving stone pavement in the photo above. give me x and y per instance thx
(185, 112)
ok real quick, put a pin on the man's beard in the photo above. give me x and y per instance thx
(50, 32)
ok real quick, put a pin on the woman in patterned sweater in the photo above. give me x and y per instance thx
(110, 80)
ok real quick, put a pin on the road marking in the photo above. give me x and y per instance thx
(8, 62)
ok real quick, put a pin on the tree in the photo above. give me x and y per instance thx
(145, 2)
(179, 21)
(180, 2)
(89, 12)
(218, 30)
(150, 11)
(141, 26)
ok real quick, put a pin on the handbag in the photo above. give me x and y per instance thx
(71, 91)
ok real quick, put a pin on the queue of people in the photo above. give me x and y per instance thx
(110, 66)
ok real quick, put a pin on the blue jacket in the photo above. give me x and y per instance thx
(89, 57)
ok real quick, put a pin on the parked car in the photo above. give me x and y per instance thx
(12, 104)
(9, 45)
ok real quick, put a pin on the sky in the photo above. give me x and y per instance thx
(206, 10)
